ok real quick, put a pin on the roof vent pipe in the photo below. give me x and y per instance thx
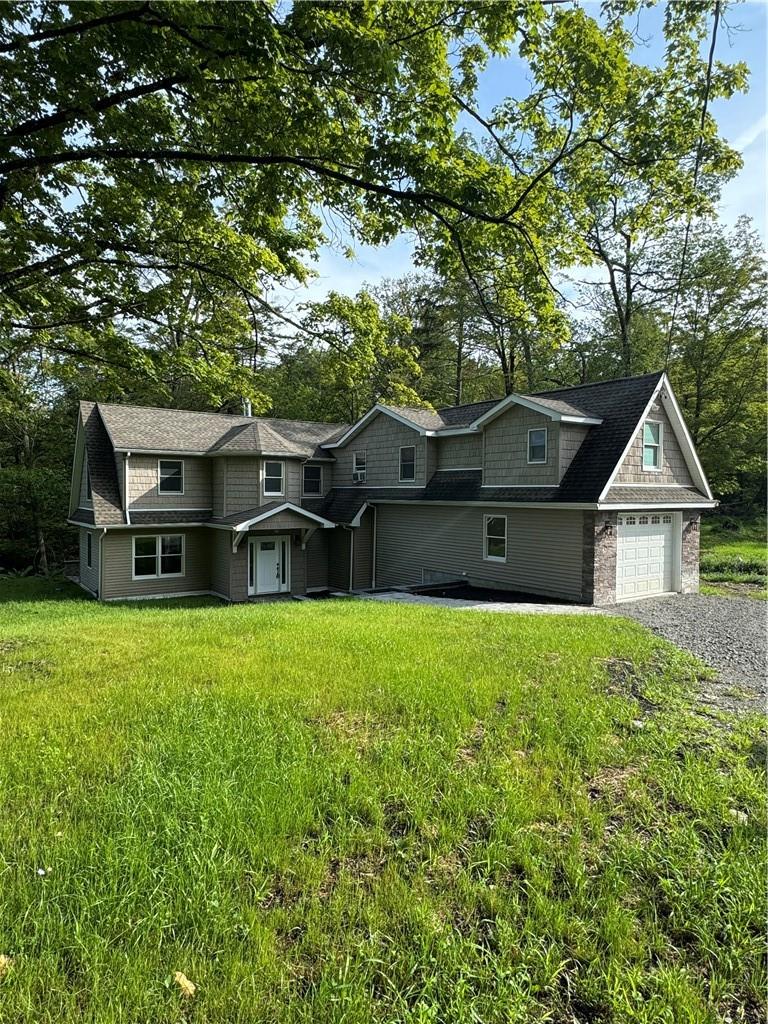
(247, 407)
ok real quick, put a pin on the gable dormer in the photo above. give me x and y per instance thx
(387, 448)
(531, 441)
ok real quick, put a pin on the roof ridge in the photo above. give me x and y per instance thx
(468, 405)
(210, 412)
(597, 383)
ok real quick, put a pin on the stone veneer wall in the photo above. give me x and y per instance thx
(689, 554)
(599, 557)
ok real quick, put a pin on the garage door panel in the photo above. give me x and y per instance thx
(646, 552)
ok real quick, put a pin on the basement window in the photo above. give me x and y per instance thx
(651, 445)
(495, 538)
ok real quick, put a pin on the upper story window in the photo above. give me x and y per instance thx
(161, 555)
(537, 446)
(312, 480)
(88, 491)
(408, 463)
(495, 538)
(652, 438)
(170, 476)
(359, 467)
(273, 478)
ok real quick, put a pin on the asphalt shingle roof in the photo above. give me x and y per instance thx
(105, 492)
(643, 495)
(170, 430)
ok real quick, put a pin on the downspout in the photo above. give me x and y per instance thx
(373, 556)
(351, 557)
(99, 588)
(126, 481)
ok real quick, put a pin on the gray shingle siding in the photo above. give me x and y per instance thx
(673, 469)
(143, 484)
(571, 438)
(505, 457)
(544, 548)
(317, 559)
(381, 439)
(462, 452)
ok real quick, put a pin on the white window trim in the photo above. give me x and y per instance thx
(88, 549)
(364, 453)
(538, 462)
(158, 541)
(311, 494)
(486, 556)
(660, 446)
(160, 479)
(273, 494)
(403, 480)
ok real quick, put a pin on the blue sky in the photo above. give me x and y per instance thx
(742, 119)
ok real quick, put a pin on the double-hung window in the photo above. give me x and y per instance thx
(359, 467)
(170, 476)
(155, 556)
(495, 538)
(652, 445)
(312, 481)
(537, 446)
(407, 463)
(273, 478)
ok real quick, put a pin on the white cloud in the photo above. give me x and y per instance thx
(751, 134)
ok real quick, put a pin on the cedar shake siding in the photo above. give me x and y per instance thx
(462, 452)
(381, 439)
(117, 549)
(339, 548)
(143, 471)
(89, 577)
(505, 459)
(544, 548)
(571, 437)
(673, 466)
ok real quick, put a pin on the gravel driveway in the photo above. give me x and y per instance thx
(728, 633)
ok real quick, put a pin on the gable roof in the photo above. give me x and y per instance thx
(105, 491)
(145, 429)
(619, 404)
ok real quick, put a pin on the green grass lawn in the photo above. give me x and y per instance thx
(734, 561)
(343, 811)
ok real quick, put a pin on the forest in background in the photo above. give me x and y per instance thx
(143, 238)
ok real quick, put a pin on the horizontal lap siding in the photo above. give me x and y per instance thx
(117, 553)
(89, 577)
(317, 559)
(221, 551)
(363, 552)
(673, 470)
(544, 548)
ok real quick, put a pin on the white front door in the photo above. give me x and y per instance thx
(268, 565)
(647, 554)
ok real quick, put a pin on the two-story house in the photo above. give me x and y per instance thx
(590, 494)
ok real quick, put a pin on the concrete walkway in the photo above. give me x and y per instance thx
(521, 607)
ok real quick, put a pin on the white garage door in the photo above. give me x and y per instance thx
(646, 555)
